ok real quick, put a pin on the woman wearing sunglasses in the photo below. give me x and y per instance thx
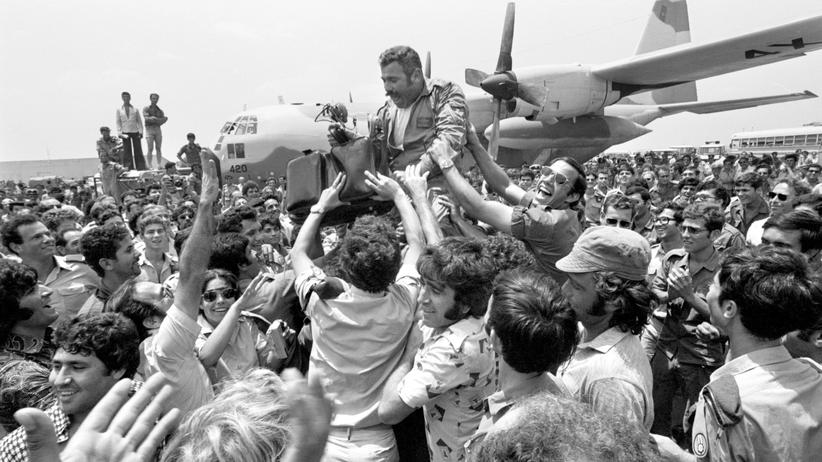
(230, 343)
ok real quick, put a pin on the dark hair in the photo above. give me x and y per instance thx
(688, 182)
(813, 201)
(217, 273)
(153, 94)
(16, 281)
(509, 253)
(10, 231)
(122, 301)
(23, 383)
(676, 207)
(404, 55)
(102, 242)
(228, 252)
(764, 165)
(808, 223)
(773, 290)
(556, 429)
(633, 300)
(526, 172)
(107, 214)
(190, 136)
(54, 217)
(799, 187)
(111, 337)
(533, 321)
(60, 237)
(711, 214)
(641, 190)
(720, 192)
(751, 179)
(466, 267)
(232, 220)
(180, 210)
(125, 93)
(370, 254)
(248, 185)
(618, 201)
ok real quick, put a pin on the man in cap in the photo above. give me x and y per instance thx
(606, 287)
(109, 149)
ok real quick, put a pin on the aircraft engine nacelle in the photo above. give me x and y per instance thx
(564, 91)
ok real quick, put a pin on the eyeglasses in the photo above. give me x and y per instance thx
(813, 171)
(781, 197)
(663, 220)
(703, 197)
(551, 175)
(691, 229)
(211, 295)
(618, 223)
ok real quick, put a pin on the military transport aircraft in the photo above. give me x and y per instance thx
(572, 109)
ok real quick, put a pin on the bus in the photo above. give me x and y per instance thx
(711, 148)
(782, 141)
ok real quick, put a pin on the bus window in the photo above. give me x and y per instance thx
(778, 140)
(789, 141)
(241, 126)
(799, 140)
(811, 139)
(769, 141)
(760, 142)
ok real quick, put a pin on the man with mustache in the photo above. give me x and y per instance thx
(419, 111)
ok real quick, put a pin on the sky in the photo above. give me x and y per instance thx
(64, 63)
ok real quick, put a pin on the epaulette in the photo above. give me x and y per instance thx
(722, 397)
(675, 253)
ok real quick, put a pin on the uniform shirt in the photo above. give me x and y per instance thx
(666, 192)
(613, 375)
(72, 284)
(108, 150)
(128, 120)
(779, 405)
(730, 240)
(171, 351)
(359, 338)
(452, 375)
(678, 337)
(149, 273)
(548, 234)
(737, 216)
(13, 446)
(190, 153)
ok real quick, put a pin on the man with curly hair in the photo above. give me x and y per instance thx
(607, 289)
(93, 353)
(452, 372)
(360, 320)
(110, 251)
(26, 314)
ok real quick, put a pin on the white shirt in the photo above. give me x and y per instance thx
(131, 123)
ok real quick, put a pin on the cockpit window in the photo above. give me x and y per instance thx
(251, 128)
(241, 126)
(227, 127)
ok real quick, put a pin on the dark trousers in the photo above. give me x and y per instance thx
(670, 379)
(133, 152)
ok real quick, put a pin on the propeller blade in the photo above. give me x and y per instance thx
(493, 142)
(474, 77)
(427, 71)
(504, 63)
(533, 94)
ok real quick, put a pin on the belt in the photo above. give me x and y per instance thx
(348, 431)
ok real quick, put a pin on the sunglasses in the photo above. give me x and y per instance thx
(618, 223)
(211, 295)
(781, 197)
(691, 229)
(813, 171)
(551, 175)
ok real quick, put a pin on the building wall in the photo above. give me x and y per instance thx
(24, 170)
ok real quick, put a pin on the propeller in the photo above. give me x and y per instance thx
(502, 84)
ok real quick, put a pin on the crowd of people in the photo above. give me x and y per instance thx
(635, 307)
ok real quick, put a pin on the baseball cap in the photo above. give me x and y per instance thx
(602, 248)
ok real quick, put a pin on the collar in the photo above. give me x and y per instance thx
(712, 264)
(606, 340)
(545, 382)
(62, 263)
(755, 359)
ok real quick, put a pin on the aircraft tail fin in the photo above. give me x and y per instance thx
(668, 25)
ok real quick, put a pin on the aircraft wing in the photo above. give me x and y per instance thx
(732, 104)
(675, 65)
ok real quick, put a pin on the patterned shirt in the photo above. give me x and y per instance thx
(39, 350)
(452, 375)
(13, 447)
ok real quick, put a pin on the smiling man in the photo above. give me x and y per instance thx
(110, 251)
(419, 111)
(543, 219)
(26, 314)
(28, 238)
(93, 353)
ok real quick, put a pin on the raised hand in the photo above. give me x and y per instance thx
(330, 197)
(383, 186)
(211, 183)
(417, 184)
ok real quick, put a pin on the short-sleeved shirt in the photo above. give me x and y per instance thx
(108, 150)
(149, 273)
(241, 354)
(548, 234)
(678, 337)
(452, 375)
(612, 373)
(359, 338)
(780, 401)
(71, 283)
(736, 215)
(171, 351)
(191, 153)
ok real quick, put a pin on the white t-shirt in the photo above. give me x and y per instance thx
(401, 118)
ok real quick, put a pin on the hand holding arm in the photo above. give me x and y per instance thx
(494, 175)
(418, 188)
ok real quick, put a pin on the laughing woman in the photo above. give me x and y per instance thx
(230, 343)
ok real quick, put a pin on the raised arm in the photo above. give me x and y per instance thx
(494, 213)
(197, 250)
(494, 175)
(329, 199)
(450, 112)
(417, 186)
(388, 189)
